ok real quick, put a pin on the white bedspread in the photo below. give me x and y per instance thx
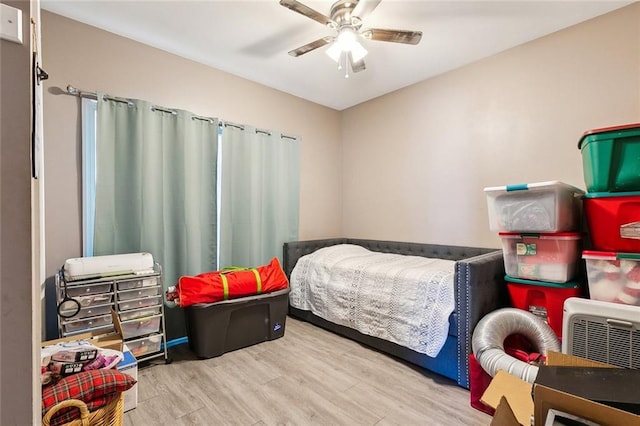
(403, 299)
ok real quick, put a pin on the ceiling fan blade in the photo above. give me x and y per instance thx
(394, 36)
(302, 9)
(311, 46)
(365, 7)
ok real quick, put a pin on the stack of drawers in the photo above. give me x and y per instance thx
(136, 298)
(611, 160)
(538, 226)
(96, 301)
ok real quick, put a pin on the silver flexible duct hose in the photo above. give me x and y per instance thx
(488, 341)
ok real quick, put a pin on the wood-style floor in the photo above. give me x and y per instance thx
(308, 377)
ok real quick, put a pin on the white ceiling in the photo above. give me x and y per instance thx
(251, 38)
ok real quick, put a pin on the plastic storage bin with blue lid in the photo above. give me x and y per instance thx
(551, 206)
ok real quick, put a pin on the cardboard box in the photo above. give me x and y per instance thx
(518, 406)
(111, 340)
(504, 415)
(129, 365)
(615, 387)
(516, 394)
(548, 398)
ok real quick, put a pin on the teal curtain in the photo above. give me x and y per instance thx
(156, 186)
(260, 195)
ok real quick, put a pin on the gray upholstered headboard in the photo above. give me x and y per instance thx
(294, 250)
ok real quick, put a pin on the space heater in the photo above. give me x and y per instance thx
(602, 331)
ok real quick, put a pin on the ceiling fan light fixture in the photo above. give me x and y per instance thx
(347, 41)
(358, 52)
(334, 51)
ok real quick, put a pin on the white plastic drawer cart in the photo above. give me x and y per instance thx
(136, 297)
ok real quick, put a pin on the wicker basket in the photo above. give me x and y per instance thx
(111, 414)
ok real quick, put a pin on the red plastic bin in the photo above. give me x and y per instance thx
(541, 298)
(614, 220)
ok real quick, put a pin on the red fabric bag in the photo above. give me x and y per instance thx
(231, 283)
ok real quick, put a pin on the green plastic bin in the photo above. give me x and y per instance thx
(611, 158)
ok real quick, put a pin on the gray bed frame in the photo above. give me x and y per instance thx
(479, 289)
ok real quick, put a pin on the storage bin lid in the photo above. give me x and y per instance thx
(542, 236)
(570, 284)
(537, 186)
(611, 194)
(128, 360)
(605, 132)
(609, 255)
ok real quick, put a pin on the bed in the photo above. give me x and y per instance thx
(479, 288)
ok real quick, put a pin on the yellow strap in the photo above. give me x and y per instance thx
(225, 283)
(258, 280)
(225, 286)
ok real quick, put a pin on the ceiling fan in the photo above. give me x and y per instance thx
(346, 18)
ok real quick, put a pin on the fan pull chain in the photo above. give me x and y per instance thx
(343, 63)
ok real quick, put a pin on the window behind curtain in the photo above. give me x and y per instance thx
(89, 117)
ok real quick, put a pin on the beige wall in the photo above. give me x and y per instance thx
(16, 292)
(95, 60)
(416, 161)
